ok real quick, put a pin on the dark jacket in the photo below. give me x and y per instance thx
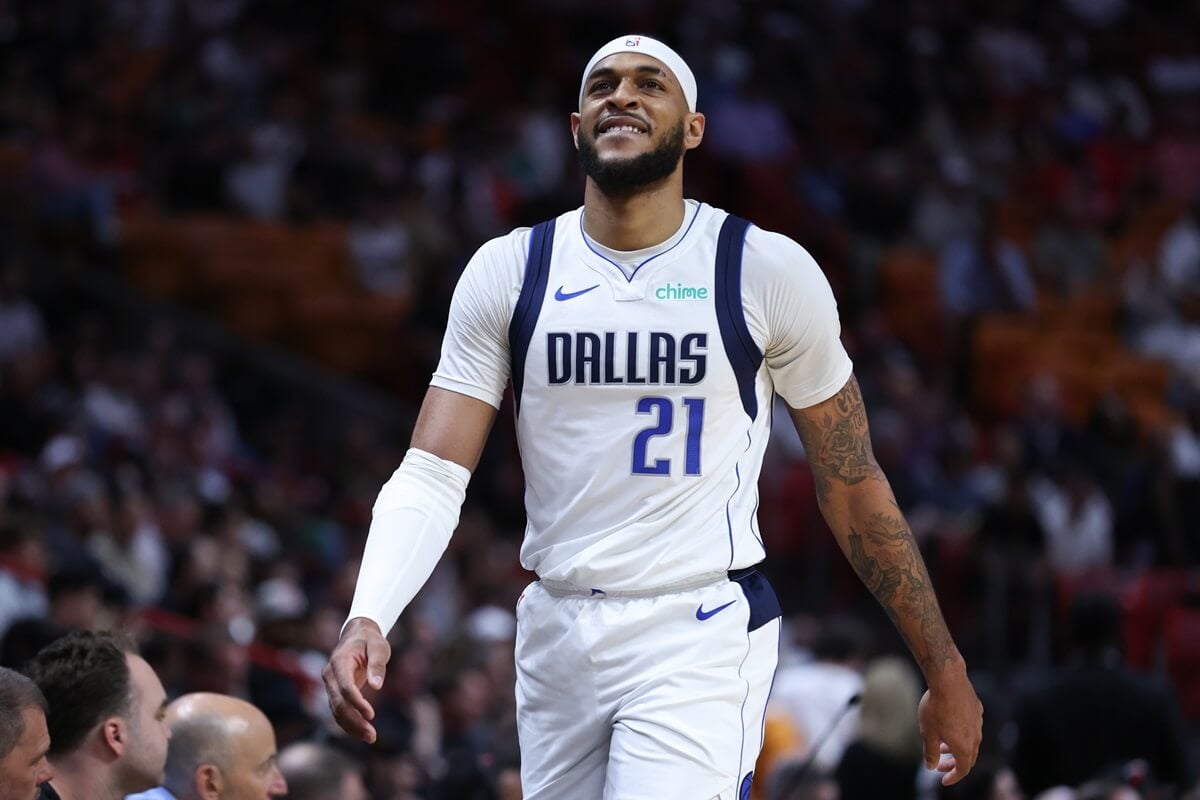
(1091, 717)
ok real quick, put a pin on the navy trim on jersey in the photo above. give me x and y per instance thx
(529, 303)
(744, 355)
(760, 596)
(629, 278)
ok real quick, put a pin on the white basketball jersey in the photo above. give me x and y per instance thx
(643, 384)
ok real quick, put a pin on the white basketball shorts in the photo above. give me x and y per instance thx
(645, 697)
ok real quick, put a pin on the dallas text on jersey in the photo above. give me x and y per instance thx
(597, 358)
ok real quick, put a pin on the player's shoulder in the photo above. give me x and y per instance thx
(508, 249)
(512, 248)
(770, 256)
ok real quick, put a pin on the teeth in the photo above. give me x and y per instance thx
(625, 128)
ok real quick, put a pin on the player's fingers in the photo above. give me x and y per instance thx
(964, 762)
(968, 754)
(946, 764)
(345, 713)
(340, 684)
(932, 747)
(352, 722)
(379, 652)
(954, 776)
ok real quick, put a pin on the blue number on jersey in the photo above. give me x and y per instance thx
(665, 414)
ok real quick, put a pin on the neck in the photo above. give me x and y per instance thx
(77, 786)
(80, 777)
(642, 218)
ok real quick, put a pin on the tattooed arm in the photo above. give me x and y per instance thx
(857, 502)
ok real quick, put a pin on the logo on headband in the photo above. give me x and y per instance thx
(633, 42)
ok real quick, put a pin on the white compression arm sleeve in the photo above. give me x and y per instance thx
(414, 515)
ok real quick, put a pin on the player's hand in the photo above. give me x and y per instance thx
(951, 720)
(360, 657)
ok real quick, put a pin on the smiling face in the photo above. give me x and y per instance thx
(633, 125)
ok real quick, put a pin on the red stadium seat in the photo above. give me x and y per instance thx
(1145, 601)
(1182, 639)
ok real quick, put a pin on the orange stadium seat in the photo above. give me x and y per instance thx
(911, 301)
(1133, 377)
(1003, 350)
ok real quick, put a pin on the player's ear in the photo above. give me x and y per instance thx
(575, 121)
(693, 130)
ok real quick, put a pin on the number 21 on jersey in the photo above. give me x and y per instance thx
(662, 409)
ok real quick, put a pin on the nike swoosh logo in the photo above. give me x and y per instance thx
(702, 615)
(561, 295)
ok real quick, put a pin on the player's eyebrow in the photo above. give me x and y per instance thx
(610, 72)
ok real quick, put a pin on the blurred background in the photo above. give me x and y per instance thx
(229, 231)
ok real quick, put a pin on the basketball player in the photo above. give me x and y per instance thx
(645, 336)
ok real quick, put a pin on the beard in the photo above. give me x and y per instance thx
(623, 175)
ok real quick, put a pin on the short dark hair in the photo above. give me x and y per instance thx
(1095, 623)
(17, 693)
(72, 580)
(85, 678)
(842, 639)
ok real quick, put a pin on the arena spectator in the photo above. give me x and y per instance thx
(22, 572)
(318, 772)
(108, 737)
(1094, 713)
(24, 739)
(815, 697)
(221, 748)
(883, 760)
(76, 602)
(1077, 520)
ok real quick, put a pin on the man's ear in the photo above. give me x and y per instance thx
(575, 120)
(693, 131)
(208, 782)
(114, 732)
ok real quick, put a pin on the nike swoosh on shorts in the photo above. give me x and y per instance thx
(702, 615)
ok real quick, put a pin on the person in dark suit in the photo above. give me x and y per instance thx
(1094, 713)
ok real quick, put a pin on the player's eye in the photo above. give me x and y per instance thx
(652, 84)
(600, 85)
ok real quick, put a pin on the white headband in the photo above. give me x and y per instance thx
(654, 49)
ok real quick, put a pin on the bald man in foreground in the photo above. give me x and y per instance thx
(222, 748)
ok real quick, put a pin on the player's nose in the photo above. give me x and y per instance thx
(624, 95)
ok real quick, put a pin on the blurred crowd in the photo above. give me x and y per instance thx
(152, 482)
